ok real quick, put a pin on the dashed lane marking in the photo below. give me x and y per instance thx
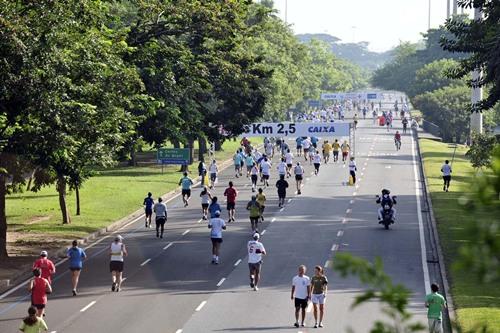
(282, 209)
(351, 202)
(145, 262)
(340, 233)
(202, 304)
(274, 219)
(221, 282)
(263, 232)
(348, 211)
(186, 232)
(237, 262)
(344, 221)
(168, 245)
(335, 247)
(87, 306)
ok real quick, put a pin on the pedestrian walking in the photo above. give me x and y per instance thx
(117, 252)
(216, 225)
(299, 176)
(39, 288)
(46, 266)
(230, 193)
(75, 257)
(254, 208)
(435, 304)
(249, 162)
(160, 209)
(186, 183)
(301, 294)
(327, 148)
(446, 170)
(206, 198)
(33, 323)
(148, 209)
(214, 170)
(261, 199)
(213, 207)
(353, 169)
(319, 284)
(281, 185)
(306, 144)
(255, 252)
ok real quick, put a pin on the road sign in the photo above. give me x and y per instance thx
(332, 96)
(174, 156)
(371, 96)
(296, 129)
(314, 103)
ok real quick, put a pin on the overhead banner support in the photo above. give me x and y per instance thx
(296, 129)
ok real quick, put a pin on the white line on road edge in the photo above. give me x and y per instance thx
(202, 304)
(263, 231)
(88, 306)
(168, 245)
(282, 209)
(423, 249)
(289, 200)
(327, 264)
(186, 232)
(351, 202)
(199, 221)
(221, 282)
(344, 221)
(309, 307)
(335, 247)
(53, 331)
(237, 262)
(178, 331)
(145, 262)
(340, 233)
(274, 219)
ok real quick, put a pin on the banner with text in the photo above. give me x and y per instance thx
(296, 129)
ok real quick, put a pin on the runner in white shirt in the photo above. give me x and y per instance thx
(214, 170)
(301, 294)
(353, 169)
(299, 176)
(446, 170)
(282, 168)
(265, 168)
(289, 163)
(255, 252)
(254, 176)
(306, 145)
(317, 162)
(312, 152)
(269, 149)
(216, 225)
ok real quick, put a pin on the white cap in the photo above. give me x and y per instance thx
(256, 236)
(44, 254)
(118, 238)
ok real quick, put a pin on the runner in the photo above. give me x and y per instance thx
(255, 252)
(282, 185)
(46, 266)
(435, 304)
(214, 206)
(117, 251)
(446, 170)
(33, 323)
(306, 144)
(186, 184)
(319, 284)
(148, 209)
(355, 121)
(202, 171)
(261, 199)
(214, 170)
(345, 150)
(299, 175)
(317, 162)
(397, 140)
(75, 257)
(312, 152)
(230, 193)
(269, 149)
(299, 145)
(160, 209)
(206, 198)
(327, 148)
(254, 207)
(336, 149)
(289, 163)
(254, 176)
(237, 163)
(301, 294)
(39, 288)
(353, 169)
(265, 168)
(249, 162)
(216, 225)
(314, 142)
(282, 168)
(405, 125)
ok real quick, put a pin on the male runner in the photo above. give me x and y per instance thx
(148, 208)
(255, 252)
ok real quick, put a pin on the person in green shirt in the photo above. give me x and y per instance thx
(32, 323)
(435, 304)
(254, 207)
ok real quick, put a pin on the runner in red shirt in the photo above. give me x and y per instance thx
(39, 287)
(46, 266)
(230, 193)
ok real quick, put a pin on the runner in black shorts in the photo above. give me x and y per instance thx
(148, 208)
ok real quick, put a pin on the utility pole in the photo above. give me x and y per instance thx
(455, 7)
(286, 11)
(429, 18)
(476, 118)
(448, 9)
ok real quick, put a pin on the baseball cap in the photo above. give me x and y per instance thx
(118, 237)
(44, 253)
(217, 213)
(256, 236)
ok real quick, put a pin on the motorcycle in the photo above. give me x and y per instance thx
(387, 212)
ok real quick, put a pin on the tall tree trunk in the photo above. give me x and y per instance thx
(28, 187)
(133, 155)
(61, 188)
(218, 145)
(3, 217)
(77, 193)
(202, 145)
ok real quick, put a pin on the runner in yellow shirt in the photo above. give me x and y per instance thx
(336, 149)
(261, 200)
(327, 148)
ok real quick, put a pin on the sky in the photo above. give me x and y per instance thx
(382, 23)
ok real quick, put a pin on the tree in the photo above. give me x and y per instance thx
(478, 39)
(480, 153)
(433, 76)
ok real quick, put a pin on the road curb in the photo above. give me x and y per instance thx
(60, 254)
(435, 235)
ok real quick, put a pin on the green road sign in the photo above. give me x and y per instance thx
(174, 156)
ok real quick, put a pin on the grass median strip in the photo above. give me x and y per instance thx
(475, 302)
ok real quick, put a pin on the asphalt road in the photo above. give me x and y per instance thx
(171, 286)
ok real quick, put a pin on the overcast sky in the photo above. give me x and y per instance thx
(382, 23)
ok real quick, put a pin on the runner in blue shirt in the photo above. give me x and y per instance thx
(75, 256)
(214, 207)
(299, 145)
(148, 208)
(314, 141)
(186, 184)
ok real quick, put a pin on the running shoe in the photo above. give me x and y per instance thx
(251, 282)
(296, 325)
(320, 324)
(113, 286)
(74, 292)
(316, 325)
(255, 288)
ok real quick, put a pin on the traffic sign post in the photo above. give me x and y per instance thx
(296, 129)
(178, 156)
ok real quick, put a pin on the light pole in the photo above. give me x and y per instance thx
(448, 9)
(476, 117)
(286, 11)
(455, 7)
(429, 19)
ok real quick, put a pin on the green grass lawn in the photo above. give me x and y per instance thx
(108, 196)
(476, 302)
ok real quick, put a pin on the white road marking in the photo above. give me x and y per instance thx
(335, 247)
(88, 306)
(168, 245)
(344, 221)
(274, 219)
(237, 262)
(351, 202)
(354, 193)
(289, 200)
(282, 209)
(423, 249)
(145, 262)
(186, 232)
(199, 221)
(340, 233)
(202, 304)
(388, 167)
(178, 331)
(348, 211)
(327, 264)
(221, 282)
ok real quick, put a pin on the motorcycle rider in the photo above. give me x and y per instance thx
(384, 200)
